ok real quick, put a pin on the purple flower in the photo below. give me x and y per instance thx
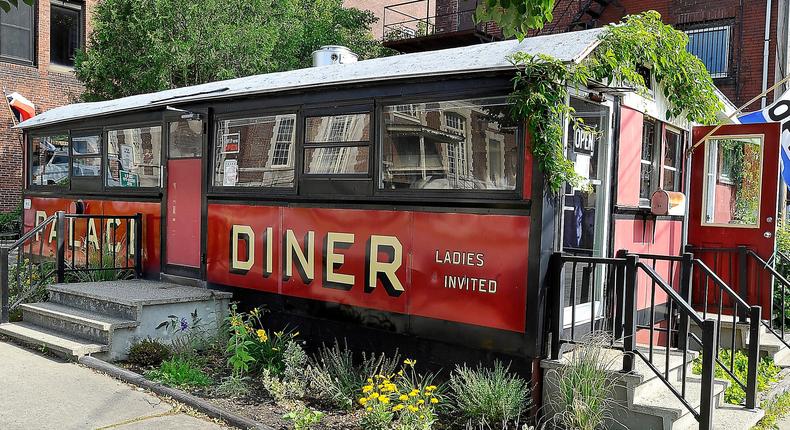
(184, 324)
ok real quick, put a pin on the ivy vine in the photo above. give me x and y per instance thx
(541, 85)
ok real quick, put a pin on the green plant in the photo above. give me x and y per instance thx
(516, 17)
(179, 372)
(149, 352)
(233, 386)
(406, 400)
(335, 378)
(28, 281)
(774, 409)
(102, 266)
(292, 384)
(11, 222)
(766, 374)
(783, 246)
(489, 398)
(6, 4)
(251, 348)
(303, 417)
(186, 337)
(583, 398)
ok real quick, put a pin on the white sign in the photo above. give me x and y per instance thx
(231, 169)
(27, 204)
(127, 157)
(584, 140)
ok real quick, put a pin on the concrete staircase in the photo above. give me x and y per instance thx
(105, 318)
(643, 401)
(770, 345)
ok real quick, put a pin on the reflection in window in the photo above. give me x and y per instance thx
(133, 157)
(647, 162)
(463, 144)
(65, 32)
(255, 152)
(338, 144)
(86, 151)
(50, 160)
(733, 181)
(712, 46)
(672, 159)
(17, 33)
(186, 138)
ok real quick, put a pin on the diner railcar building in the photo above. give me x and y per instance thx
(395, 195)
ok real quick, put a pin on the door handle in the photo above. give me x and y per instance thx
(768, 235)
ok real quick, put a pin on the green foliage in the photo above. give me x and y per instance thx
(140, 46)
(489, 398)
(292, 384)
(233, 386)
(783, 246)
(766, 374)
(103, 262)
(11, 222)
(27, 283)
(335, 378)
(6, 4)
(186, 337)
(303, 417)
(775, 409)
(541, 85)
(149, 352)
(516, 17)
(583, 397)
(179, 372)
(252, 349)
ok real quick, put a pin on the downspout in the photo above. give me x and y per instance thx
(766, 45)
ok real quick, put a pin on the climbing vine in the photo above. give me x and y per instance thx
(541, 85)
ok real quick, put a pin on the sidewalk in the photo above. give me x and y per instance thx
(39, 392)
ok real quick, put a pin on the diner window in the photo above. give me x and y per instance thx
(456, 145)
(49, 160)
(647, 162)
(255, 152)
(86, 156)
(185, 138)
(17, 34)
(134, 157)
(66, 35)
(337, 144)
(673, 158)
(711, 44)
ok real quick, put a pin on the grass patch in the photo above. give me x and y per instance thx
(766, 374)
(775, 409)
(178, 372)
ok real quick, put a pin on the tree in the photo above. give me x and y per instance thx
(516, 17)
(140, 46)
(6, 4)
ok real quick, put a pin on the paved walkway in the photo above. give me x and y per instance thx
(38, 392)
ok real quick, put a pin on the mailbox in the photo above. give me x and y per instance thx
(664, 202)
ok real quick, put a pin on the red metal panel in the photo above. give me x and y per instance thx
(629, 156)
(413, 250)
(183, 212)
(722, 236)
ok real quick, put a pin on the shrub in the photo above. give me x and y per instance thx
(292, 384)
(489, 398)
(28, 282)
(148, 352)
(583, 399)
(179, 372)
(11, 222)
(251, 348)
(335, 378)
(766, 374)
(303, 417)
(232, 386)
(186, 337)
(402, 401)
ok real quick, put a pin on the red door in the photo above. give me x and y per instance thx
(733, 202)
(184, 180)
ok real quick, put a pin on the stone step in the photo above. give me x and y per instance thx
(74, 322)
(665, 404)
(95, 304)
(59, 343)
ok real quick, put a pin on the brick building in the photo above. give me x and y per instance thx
(37, 45)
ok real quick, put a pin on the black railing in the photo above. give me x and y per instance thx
(420, 18)
(31, 263)
(778, 267)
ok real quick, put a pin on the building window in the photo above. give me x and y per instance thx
(337, 145)
(134, 157)
(456, 145)
(17, 34)
(255, 152)
(673, 158)
(647, 170)
(66, 34)
(712, 46)
(49, 160)
(185, 138)
(86, 156)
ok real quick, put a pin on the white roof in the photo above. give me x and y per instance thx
(567, 47)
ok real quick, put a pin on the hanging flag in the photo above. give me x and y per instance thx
(22, 108)
(778, 111)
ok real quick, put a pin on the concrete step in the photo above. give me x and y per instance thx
(74, 321)
(59, 343)
(674, 414)
(772, 346)
(100, 305)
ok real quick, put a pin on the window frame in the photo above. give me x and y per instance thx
(87, 183)
(678, 168)
(709, 26)
(29, 162)
(106, 154)
(349, 109)
(453, 194)
(655, 174)
(33, 41)
(76, 6)
(214, 189)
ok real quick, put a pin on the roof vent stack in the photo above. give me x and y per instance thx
(333, 54)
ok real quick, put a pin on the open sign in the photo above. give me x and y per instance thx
(584, 140)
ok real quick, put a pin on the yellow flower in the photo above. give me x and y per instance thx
(262, 335)
(413, 408)
(255, 312)
(414, 393)
(420, 402)
(431, 387)
(422, 417)
(384, 400)
(363, 400)
(396, 408)
(369, 409)
(409, 362)
(434, 400)
(403, 398)
(367, 388)
(374, 396)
